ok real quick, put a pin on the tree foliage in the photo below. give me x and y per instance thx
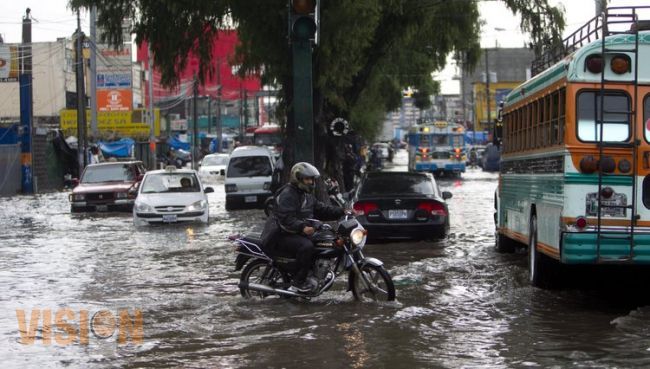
(369, 50)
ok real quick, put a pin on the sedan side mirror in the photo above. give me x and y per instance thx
(446, 195)
(208, 190)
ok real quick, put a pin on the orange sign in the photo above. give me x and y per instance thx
(114, 100)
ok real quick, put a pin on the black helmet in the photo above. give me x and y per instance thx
(301, 171)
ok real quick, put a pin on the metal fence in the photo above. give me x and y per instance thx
(9, 169)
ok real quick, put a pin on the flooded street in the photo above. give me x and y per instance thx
(459, 303)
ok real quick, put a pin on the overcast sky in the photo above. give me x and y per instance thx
(52, 19)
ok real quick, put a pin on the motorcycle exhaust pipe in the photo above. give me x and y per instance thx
(268, 289)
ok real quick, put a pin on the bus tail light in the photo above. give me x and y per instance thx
(588, 164)
(620, 64)
(581, 222)
(624, 166)
(457, 153)
(594, 63)
(607, 164)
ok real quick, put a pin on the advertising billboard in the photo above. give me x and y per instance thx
(8, 63)
(126, 123)
(114, 100)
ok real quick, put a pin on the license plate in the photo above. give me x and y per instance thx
(617, 199)
(250, 199)
(169, 218)
(102, 207)
(397, 214)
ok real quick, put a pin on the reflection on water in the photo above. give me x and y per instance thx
(459, 303)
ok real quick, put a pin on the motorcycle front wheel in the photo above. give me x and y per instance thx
(261, 272)
(378, 287)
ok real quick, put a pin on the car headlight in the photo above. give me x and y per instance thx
(121, 195)
(78, 197)
(141, 207)
(358, 236)
(197, 206)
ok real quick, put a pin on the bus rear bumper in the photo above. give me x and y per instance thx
(581, 248)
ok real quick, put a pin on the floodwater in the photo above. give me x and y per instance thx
(459, 304)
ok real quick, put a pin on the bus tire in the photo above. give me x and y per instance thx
(503, 244)
(541, 268)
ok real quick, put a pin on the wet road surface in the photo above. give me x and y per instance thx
(459, 304)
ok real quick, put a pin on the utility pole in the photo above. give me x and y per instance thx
(81, 97)
(151, 116)
(242, 132)
(26, 107)
(245, 109)
(195, 122)
(209, 112)
(219, 129)
(93, 72)
(487, 88)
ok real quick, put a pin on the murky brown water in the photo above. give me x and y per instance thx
(459, 303)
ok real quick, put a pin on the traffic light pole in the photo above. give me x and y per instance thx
(303, 109)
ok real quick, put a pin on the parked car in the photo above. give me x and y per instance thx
(490, 162)
(214, 166)
(107, 187)
(384, 150)
(171, 195)
(401, 205)
(248, 177)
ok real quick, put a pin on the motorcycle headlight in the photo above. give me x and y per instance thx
(197, 206)
(358, 237)
(141, 207)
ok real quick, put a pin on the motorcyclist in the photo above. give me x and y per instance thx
(295, 204)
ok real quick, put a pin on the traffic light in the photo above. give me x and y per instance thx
(303, 20)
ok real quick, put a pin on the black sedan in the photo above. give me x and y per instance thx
(401, 205)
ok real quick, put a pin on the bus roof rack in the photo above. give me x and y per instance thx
(614, 20)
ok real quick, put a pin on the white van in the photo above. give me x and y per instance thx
(248, 177)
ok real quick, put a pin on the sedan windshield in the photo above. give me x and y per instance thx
(403, 184)
(215, 160)
(170, 182)
(107, 173)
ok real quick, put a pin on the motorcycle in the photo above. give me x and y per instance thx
(337, 251)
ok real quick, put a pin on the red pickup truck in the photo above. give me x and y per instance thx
(107, 187)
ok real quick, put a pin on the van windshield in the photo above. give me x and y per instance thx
(249, 166)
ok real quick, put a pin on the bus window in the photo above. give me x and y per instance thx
(616, 126)
(424, 140)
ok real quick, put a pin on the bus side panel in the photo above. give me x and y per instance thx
(519, 192)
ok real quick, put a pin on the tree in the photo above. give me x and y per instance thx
(369, 51)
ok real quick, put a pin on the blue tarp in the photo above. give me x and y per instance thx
(476, 137)
(175, 144)
(120, 149)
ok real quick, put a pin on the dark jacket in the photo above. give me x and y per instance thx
(291, 210)
(293, 207)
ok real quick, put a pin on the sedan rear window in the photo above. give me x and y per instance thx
(381, 185)
(249, 166)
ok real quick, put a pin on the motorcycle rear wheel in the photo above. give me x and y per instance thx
(261, 272)
(380, 283)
